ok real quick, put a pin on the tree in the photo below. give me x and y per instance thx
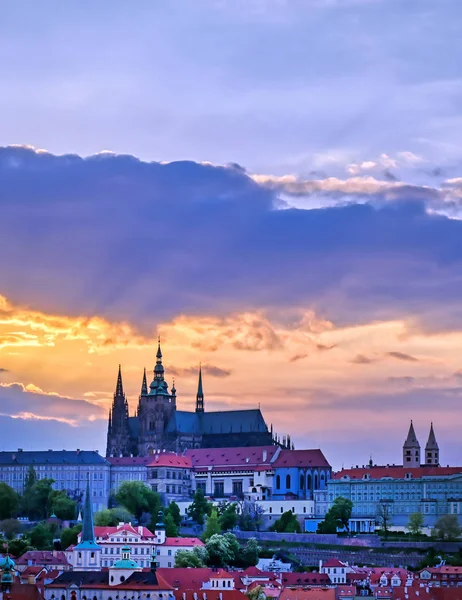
(171, 529)
(416, 522)
(112, 517)
(18, 546)
(41, 537)
(447, 528)
(35, 499)
(62, 506)
(251, 515)
(69, 536)
(228, 517)
(219, 552)
(199, 507)
(189, 558)
(174, 510)
(9, 501)
(256, 594)
(384, 516)
(234, 547)
(337, 517)
(10, 528)
(251, 553)
(212, 525)
(287, 523)
(30, 479)
(138, 498)
(341, 509)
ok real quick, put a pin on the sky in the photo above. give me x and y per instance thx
(272, 186)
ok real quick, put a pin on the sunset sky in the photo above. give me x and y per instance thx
(272, 186)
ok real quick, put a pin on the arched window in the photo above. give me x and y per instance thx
(302, 482)
(315, 478)
(308, 482)
(288, 481)
(63, 597)
(278, 482)
(151, 425)
(122, 578)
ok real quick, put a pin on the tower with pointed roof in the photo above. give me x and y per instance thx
(200, 394)
(411, 449)
(118, 435)
(87, 553)
(155, 409)
(432, 451)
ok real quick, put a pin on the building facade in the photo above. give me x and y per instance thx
(70, 470)
(159, 425)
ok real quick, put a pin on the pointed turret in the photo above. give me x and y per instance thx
(88, 533)
(411, 449)
(119, 387)
(200, 393)
(432, 451)
(144, 384)
(87, 553)
(159, 368)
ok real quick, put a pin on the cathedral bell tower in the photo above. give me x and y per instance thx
(118, 434)
(432, 451)
(411, 449)
(155, 409)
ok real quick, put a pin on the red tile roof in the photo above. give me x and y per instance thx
(333, 562)
(301, 458)
(209, 594)
(247, 458)
(129, 460)
(166, 459)
(183, 541)
(43, 557)
(301, 579)
(120, 529)
(186, 578)
(397, 472)
(222, 575)
(315, 593)
(24, 591)
(346, 591)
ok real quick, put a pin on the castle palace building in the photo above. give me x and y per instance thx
(158, 425)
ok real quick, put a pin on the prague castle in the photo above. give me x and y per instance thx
(159, 425)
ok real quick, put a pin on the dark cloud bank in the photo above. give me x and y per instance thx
(116, 236)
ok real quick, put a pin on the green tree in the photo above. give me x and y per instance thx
(251, 553)
(18, 546)
(251, 515)
(171, 529)
(174, 510)
(69, 536)
(10, 528)
(219, 551)
(287, 523)
(228, 517)
(447, 528)
(9, 501)
(30, 478)
(41, 537)
(35, 499)
(329, 525)
(199, 507)
(341, 509)
(234, 547)
(62, 506)
(138, 498)
(416, 523)
(112, 517)
(189, 558)
(212, 525)
(256, 594)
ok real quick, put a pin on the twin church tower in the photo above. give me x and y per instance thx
(158, 425)
(411, 450)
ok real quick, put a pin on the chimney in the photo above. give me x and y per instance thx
(265, 455)
(30, 580)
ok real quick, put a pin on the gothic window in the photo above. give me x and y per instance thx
(278, 482)
(308, 481)
(287, 481)
(151, 425)
(302, 482)
(315, 481)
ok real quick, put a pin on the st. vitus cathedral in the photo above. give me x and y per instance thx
(158, 425)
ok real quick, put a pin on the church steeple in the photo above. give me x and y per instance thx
(144, 384)
(159, 368)
(88, 533)
(411, 449)
(200, 393)
(432, 451)
(87, 553)
(119, 387)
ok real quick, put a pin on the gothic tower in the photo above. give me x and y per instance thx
(200, 394)
(87, 553)
(432, 452)
(118, 434)
(411, 449)
(155, 409)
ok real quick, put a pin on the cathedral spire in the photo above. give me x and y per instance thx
(411, 449)
(159, 368)
(144, 384)
(200, 393)
(119, 387)
(432, 451)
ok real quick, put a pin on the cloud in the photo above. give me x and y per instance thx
(361, 359)
(207, 369)
(2, 370)
(403, 356)
(29, 402)
(135, 243)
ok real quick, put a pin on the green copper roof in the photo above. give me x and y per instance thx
(88, 534)
(125, 563)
